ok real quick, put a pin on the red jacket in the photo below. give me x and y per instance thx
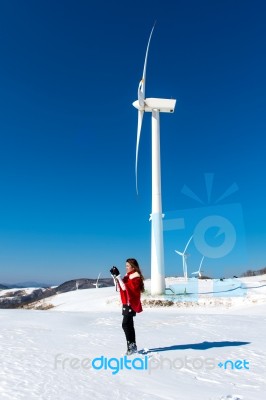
(131, 294)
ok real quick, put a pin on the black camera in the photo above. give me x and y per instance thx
(114, 271)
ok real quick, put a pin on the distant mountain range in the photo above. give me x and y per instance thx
(21, 297)
(32, 284)
(28, 284)
(3, 287)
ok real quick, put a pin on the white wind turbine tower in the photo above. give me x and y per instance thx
(154, 106)
(184, 256)
(199, 270)
(96, 284)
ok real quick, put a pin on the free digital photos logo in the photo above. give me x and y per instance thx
(147, 363)
(214, 231)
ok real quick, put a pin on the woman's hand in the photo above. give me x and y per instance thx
(114, 271)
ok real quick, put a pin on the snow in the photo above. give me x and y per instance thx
(48, 354)
(5, 292)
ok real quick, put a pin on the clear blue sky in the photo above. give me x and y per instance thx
(69, 73)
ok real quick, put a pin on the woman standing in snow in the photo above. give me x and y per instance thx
(130, 287)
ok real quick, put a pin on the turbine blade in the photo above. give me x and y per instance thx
(188, 243)
(201, 263)
(141, 89)
(140, 118)
(179, 252)
(98, 278)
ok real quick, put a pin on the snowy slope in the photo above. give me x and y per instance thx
(48, 354)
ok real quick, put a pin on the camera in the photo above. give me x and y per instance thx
(114, 271)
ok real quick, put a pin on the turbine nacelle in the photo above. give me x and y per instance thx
(161, 105)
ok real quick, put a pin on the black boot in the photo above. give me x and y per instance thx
(131, 349)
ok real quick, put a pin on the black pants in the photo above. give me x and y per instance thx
(128, 327)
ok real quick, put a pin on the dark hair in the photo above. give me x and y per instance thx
(135, 265)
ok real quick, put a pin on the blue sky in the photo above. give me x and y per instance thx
(69, 73)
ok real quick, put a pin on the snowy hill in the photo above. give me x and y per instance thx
(196, 352)
(207, 294)
(27, 297)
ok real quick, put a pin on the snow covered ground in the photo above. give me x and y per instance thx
(76, 349)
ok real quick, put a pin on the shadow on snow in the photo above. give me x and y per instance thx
(197, 346)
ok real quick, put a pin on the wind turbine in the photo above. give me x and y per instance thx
(96, 283)
(184, 256)
(154, 106)
(198, 272)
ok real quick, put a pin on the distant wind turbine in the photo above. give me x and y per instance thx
(199, 270)
(184, 256)
(154, 106)
(96, 284)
